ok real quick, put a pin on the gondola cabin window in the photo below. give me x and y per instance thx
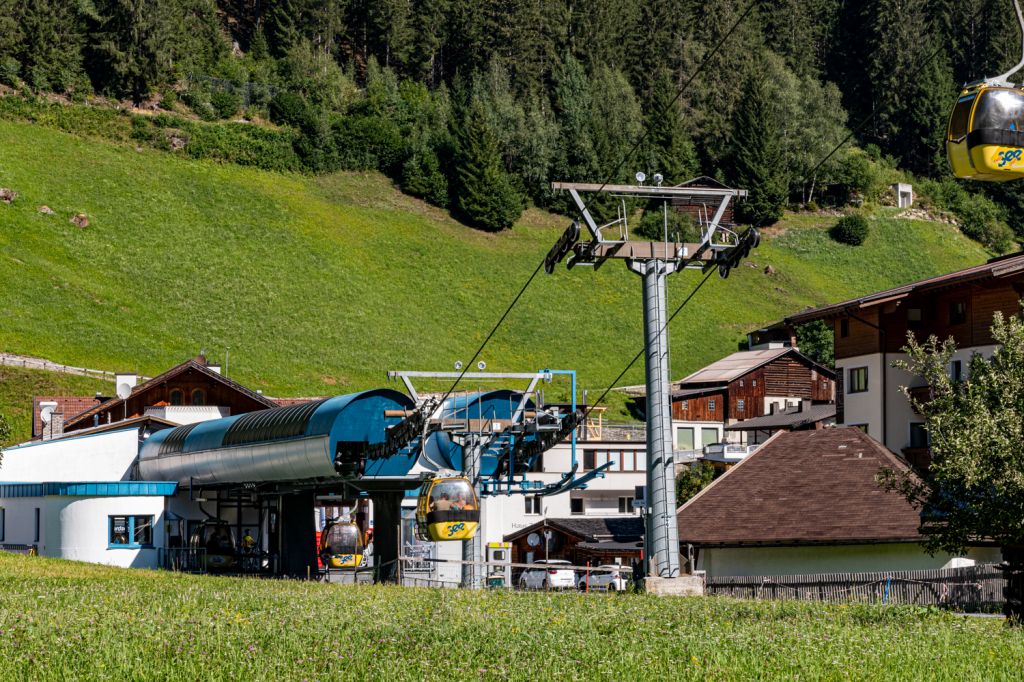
(130, 531)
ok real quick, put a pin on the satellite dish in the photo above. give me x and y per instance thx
(123, 390)
(46, 414)
(641, 176)
(533, 539)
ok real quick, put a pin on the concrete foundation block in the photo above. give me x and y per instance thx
(683, 586)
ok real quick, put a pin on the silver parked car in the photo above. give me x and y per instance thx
(610, 578)
(556, 575)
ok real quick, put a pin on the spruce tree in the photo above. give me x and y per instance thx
(134, 45)
(486, 197)
(668, 148)
(52, 36)
(756, 160)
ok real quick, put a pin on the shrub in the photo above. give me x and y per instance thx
(422, 177)
(225, 103)
(852, 229)
(288, 109)
(10, 69)
(243, 144)
(978, 216)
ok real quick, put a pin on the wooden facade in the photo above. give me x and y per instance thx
(192, 383)
(790, 375)
(962, 312)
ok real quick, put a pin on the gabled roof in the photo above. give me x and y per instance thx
(803, 487)
(734, 366)
(590, 528)
(789, 418)
(1004, 266)
(704, 181)
(197, 364)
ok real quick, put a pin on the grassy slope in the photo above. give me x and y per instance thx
(18, 386)
(60, 620)
(320, 285)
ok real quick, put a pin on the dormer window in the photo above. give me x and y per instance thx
(176, 397)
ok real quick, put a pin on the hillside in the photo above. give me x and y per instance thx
(322, 284)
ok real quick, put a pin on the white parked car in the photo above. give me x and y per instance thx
(555, 576)
(609, 578)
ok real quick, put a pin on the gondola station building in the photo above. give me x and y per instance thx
(122, 480)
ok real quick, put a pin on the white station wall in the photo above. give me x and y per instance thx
(77, 527)
(100, 457)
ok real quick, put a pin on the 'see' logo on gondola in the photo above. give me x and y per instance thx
(346, 558)
(455, 528)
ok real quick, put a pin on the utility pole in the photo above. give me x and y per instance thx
(654, 261)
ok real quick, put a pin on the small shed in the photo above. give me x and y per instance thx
(904, 194)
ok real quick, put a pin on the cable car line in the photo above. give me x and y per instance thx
(611, 176)
(641, 351)
(867, 119)
(984, 138)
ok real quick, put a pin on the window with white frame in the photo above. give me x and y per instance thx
(626, 505)
(741, 405)
(130, 531)
(711, 405)
(684, 438)
(532, 504)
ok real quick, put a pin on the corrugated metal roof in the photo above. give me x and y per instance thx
(734, 366)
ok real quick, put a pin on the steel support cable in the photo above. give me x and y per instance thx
(867, 119)
(641, 351)
(607, 181)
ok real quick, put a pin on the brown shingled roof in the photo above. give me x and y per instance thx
(803, 487)
(68, 405)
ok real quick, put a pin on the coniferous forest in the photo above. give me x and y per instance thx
(477, 106)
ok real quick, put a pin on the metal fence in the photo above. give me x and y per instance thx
(972, 588)
(30, 550)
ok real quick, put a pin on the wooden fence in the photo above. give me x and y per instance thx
(973, 588)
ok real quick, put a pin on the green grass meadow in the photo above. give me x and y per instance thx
(62, 620)
(18, 386)
(320, 285)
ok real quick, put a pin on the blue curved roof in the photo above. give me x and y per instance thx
(353, 417)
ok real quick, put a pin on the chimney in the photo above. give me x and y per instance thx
(214, 368)
(52, 421)
(805, 405)
(124, 383)
(772, 407)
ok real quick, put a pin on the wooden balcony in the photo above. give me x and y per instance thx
(921, 394)
(919, 458)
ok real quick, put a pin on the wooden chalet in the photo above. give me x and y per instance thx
(191, 391)
(746, 384)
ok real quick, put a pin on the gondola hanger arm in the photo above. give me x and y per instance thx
(1005, 78)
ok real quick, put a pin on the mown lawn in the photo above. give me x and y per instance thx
(320, 285)
(61, 620)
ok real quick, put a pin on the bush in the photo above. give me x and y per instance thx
(978, 216)
(652, 225)
(10, 69)
(244, 144)
(852, 229)
(225, 103)
(288, 109)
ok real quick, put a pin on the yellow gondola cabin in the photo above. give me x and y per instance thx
(341, 545)
(447, 510)
(985, 139)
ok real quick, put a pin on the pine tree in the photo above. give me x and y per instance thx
(52, 37)
(134, 45)
(668, 149)
(283, 22)
(485, 195)
(756, 160)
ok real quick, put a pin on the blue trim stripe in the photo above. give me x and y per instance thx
(91, 489)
